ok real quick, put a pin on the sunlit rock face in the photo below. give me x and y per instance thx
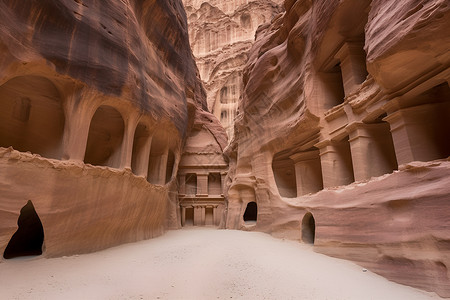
(221, 33)
(96, 101)
(342, 135)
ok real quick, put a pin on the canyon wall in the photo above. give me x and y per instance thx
(221, 33)
(97, 100)
(342, 135)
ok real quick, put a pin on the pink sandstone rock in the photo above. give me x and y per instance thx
(221, 33)
(341, 140)
(342, 135)
(99, 99)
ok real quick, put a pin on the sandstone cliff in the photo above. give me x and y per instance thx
(342, 135)
(102, 97)
(221, 33)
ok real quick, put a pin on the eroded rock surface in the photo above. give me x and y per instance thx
(221, 33)
(342, 135)
(102, 96)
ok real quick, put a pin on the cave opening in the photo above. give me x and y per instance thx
(308, 229)
(29, 237)
(251, 213)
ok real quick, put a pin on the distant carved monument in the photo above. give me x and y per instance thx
(221, 34)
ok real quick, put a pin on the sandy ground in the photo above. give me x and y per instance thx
(198, 264)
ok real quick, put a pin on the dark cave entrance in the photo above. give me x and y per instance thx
(251, 213)
(308, 229)
(29, 237)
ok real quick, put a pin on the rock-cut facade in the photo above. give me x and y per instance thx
(342, 137)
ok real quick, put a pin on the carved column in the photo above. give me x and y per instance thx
(183, 215)
(353, 65)
(79, 109)
(182, 184)
(127, 142)
(203, 211)
(163, 166)
(143, 156)
(223, 175)
(336, 162)
(372, 150)
(308, 172)
(198, 216)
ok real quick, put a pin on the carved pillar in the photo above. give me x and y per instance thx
(372, 150)
(353, 65)
(308, 172)
(336, 162)
(162, 168)
(143, 157)
(183, 215)
(198, 216)
(182, 184)
(203, 212)
(126, 152)
(79, 109)
(222, 182)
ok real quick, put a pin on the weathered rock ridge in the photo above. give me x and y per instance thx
(342, 135)
(102, 96)
(221, 33)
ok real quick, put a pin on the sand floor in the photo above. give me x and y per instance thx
(198, 264)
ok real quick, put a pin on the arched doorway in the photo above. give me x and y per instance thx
(29, 237)
(251, 213)
(308, 228)
(31, 116)
(104, 142)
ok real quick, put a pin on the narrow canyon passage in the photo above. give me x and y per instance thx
(324, 123)
(199, 263)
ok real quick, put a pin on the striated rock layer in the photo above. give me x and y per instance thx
(221, 33)
(96, 101)
(342, 136)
